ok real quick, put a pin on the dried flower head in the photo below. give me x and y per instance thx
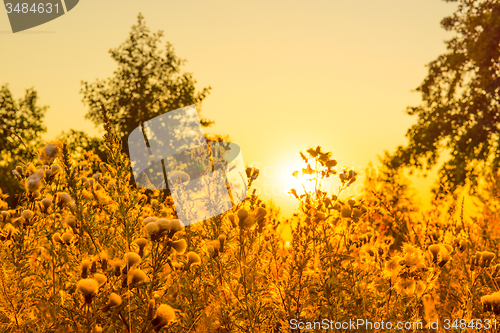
(84, 269)
(100, 278)
(164, 315)
(88, 288)
(141, 243)
(136, 276)
(193, 259)
(114, 300)
(179, 245)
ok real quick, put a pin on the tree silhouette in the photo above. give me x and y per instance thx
(21, 126)
(146, 84)
(460, 110)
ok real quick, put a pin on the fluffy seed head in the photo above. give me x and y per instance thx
(46, 203)
(100, 278)
(67, 238)
(56, 238)
(148, 220)
(151, 229)
(131, 258)
(137, 276)
(193, 259)
(27, 214)
(114, 300)
(179, 246)
(242, 214)
(164, 315)
(85, 268)
(88, 288)
(175, 225)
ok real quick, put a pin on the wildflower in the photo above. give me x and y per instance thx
(63, 199)
(346, 212)
(103, 258)
(193, 259)
(35, 181)
(50, 152)
(486, 258)
(85, 268)
(137, 276)
(71, 222)
(164, 315)
(434, 249)
(56, 238)
(242, 215)
(175, 226)
(114, 300)
(130, 258)
(100, 278)
(165, 225)
(491, 302)
(88, 287)
(148, 220)
(231, 218)
(27, 214)
(249, 222)
(152, 229)
(141, 243)
(46, 203)
(117, 267)
(67, 238)
(179, 246)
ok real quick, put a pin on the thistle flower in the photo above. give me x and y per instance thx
(164, 225)
(346, 212)
(164, 315)
(56, 238)
(193, 259)
(131, 259)
(63, 199)
(231, 218)
(100, 278)
(67, 238)
(84, 269)
(242, 215)
(117, 267)
(136, 276)
(152, 229)
(148, 220)
(89, 288)
(46, 203)
(141, 243)
(175, 226)
(27, 214)
(435, 249)
(179, 245)
(486, 258)
(71, 222)
(114, 300)
(103, 258)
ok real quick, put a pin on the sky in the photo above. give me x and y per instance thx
(285, 75)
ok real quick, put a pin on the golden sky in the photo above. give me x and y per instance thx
(286, 75)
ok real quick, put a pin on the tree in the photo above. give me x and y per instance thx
(21, 126)
(461, 95)
(146, 83)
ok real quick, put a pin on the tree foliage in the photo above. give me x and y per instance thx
(460, 111)
(21, 126)
(147, 83)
